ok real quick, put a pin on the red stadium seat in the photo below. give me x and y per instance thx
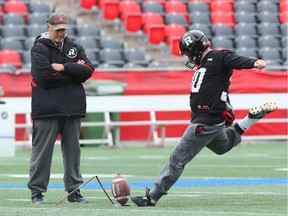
(133, 22)
(110, 9)
(128, 7)
(16, 7)
(151, 19)
(88, 4)
(156, 34)
(173, 31)
(283, 6)
(10, 57)
(1, 13)
(99, 4)
(223, 18)
(174, 46)
(173, 6)
(225, 6)
(283, 17)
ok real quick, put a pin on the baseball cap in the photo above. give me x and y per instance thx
(58, 20)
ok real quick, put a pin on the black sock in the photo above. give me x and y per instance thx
(238, 129)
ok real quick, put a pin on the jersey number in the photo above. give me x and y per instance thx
(197, 79)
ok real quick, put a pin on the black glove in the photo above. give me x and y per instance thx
(228, 114)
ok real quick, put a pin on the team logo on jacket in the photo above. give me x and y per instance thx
(72, 53)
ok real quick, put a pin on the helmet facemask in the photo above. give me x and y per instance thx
(192, 44)
(194, 58)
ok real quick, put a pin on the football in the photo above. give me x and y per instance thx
(120, 189)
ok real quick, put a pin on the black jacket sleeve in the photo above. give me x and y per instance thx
(79, 72)
(42, 71)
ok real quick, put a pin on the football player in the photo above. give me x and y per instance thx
(212, 115)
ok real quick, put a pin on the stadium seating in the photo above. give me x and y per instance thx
(245, 41)
(176, 18)
(111, 56)
(173, 33)
(10, 57)
(89, 43)
(111, 9)
(135, 56)
(194, 7)
(11, 44)
(245, 17)
(88, 30)
(112, 43)
(87, 4)
(7, 68)
(156, 34)
(128, 7)
(246, 51)
(206, 29)
(154, 7)
(17, 7)
(151, 19)
(223, 30)
(11, 18)
(266, 5)
(226, 18)
(241, 25)
(133, 22)
(222, 6)
(177, 7)
(13, 32)
(223, 43)
(39, 7)
(244, 6)
(37, 18)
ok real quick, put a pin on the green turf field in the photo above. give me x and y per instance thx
(250, 180)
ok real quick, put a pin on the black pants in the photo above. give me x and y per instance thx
(217, 138)
(45, 132)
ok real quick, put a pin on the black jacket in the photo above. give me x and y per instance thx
(58, 94)
(211, 82)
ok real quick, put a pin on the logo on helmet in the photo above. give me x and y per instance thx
(188, 41)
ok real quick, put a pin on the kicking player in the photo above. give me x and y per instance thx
(212, 115)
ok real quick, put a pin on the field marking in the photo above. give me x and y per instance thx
(181, 183)
(60, 176)
(148, 210)
(281, 169)
(220, 194)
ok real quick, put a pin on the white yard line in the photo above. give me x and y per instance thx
(149, 211)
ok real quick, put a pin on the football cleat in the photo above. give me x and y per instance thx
(259, 112)
(76, 198)
(143, 201)
(37, 199)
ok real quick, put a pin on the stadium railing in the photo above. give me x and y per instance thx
(151, 104)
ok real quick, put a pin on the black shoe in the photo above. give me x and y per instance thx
(76, 197)
(37, 199)
(261, 111)
(143, 201)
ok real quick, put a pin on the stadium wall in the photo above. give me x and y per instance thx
(170, 82)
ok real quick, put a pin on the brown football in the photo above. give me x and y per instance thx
(120, 189)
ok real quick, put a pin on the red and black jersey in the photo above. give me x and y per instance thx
(210, 84)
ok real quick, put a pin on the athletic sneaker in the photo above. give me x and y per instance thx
(143, 201)
(259, 112)
(37, 199)
(76, 197)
